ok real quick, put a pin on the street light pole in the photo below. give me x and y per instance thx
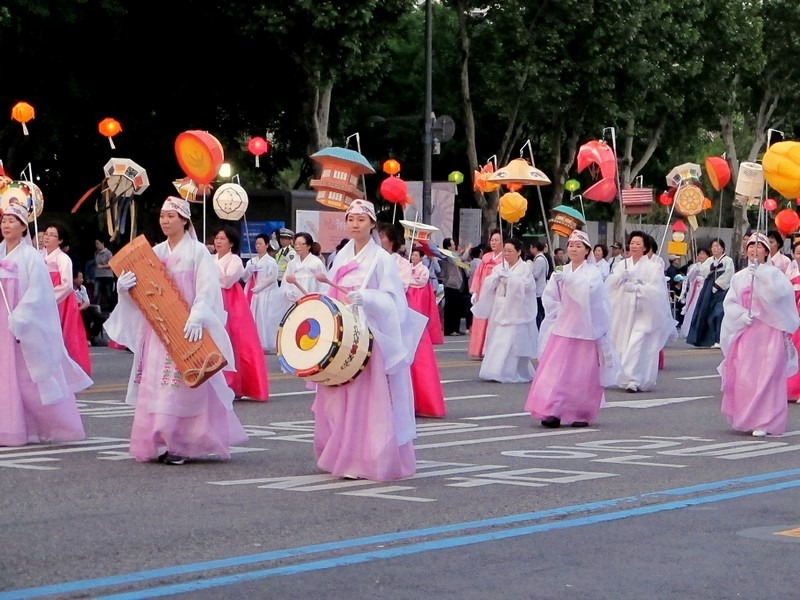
(427, 146)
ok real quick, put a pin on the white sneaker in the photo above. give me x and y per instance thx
(759, 433)
(716, 346)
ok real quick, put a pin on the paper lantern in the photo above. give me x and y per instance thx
(479, 179)
(781, 166)
(394, 189)
(230, 201)
(337, 185)
(199, 154)
(512, 206)
(572, 185)
(689, 200)
(787, 221)
(565, 219)
(391, 167)
(109, 127)
(770, 204)
(707, 204)
(718, 172)
(456, 177)
(22, 112)
(257, 146)
(665, 199)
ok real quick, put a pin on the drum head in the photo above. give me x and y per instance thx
(309, 335)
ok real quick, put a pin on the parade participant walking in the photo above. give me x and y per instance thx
(365, 428)
(777, 258)
(690, 290)
(540, 268)
(601, 257)
(574, 333)
(286, 251)
(173, 422)
(261, 291)
(508, 302)
(760, 315)
(793, 273)
(250, 378)
(59, 265)
(454, 280)
(301, 273)
(489, 261)
(38, 378)
(641, 320)
(707, 320)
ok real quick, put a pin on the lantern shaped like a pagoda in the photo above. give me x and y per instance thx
(337, 185)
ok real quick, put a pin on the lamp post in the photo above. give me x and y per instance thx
(427, 146)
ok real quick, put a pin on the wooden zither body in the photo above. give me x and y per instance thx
(160, 301)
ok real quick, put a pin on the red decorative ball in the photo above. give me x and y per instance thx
(787, 221)
(665, 199)
(258, 146)
(394, 189)
(770, 204)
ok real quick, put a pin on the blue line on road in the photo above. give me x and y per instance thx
(141, 576)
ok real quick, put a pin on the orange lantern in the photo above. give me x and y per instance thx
(199, 154)
(109, 127)
(257, 146)
(391, 167)
(23, 112)
(707, 204)
(787, 222)
(718, 172)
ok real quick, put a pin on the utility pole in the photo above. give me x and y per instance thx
(427, 147)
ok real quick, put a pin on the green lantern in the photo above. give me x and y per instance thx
(456, 177)
(572, 185)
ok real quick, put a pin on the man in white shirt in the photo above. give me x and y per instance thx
(539, 267)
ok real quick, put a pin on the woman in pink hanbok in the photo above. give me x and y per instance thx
(261, 292)
(690, 290)
(760, 316)
(250, 378)
(793, 273)
(37, 376)
(173, 422)
(59, 266)
(489, 260)
(366, 428)
(575, 349)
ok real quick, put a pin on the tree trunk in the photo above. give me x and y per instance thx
(318, 110)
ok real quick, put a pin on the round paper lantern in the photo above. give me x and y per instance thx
(199, 154)
(787, 221)
(109, 127)
(770, 204)
(665, 199)
(391, 167)
(22, 112)
(456, 177)
(257, 146)
(718, 172)
(230, 201)
(781, 166)
(394, 189)
(512, 206)
(572, 185)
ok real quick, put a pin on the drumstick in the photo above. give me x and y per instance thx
(292, 279)
(322, 278)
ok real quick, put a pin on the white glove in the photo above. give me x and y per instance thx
(474, 298)
(747, 320)
(193, 331)
(751, 268)
(625, 275)
(356, 298)
(126, 281)
(630, 286)
(557, 276)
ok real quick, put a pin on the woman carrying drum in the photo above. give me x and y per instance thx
(366, 428)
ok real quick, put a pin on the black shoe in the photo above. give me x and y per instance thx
(580, 424)
(171, 459)
(551, 422)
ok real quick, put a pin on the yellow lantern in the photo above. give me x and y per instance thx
(781, 166)
(512, 206)
(22, 113)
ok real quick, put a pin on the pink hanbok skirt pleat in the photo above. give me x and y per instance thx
(754, 381)
(23, 417)
(354, 428)
(793, 383)
(423, 300)
(250, 377)
(567, 382)
(426, 381)
(73, 329)
(477, 337)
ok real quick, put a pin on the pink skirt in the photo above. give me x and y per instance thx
(567, 382)
(354, 428)
(250, 377)
(426, 381)
(423, 300)
(793, 383)
(477, 337)
(73, 329)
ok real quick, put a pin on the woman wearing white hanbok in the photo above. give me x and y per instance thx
(690, 290)
(302, 270)
(641, 319)
(37, 376)
(508, 302)
(261, 291)
(173, 422)
(760, 316)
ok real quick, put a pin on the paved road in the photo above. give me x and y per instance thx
(659, 499)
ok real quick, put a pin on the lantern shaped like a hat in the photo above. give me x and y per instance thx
(518, 173)
(337, 186)
(564, 220)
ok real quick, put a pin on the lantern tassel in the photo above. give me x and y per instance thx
(111, 143)
(24, 129)
(257, 165)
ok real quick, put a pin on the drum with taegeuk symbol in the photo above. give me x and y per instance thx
(320, 339)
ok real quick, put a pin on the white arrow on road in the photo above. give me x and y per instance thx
(651, 402)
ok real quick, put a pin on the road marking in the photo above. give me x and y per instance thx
(716, 376)
(451, 398)
(502, 439)
(651, 402)
(504, 416)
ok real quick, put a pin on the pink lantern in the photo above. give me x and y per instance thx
(394, 190)
(770, 204)
(257, 146)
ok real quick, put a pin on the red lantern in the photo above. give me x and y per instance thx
(787, 222)
(22, 112)
(109, 127)
(770, 204)
(718, 171)
(679, 226)
(394, 189)
(257, 146)
(391, 167)
(665, 199)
